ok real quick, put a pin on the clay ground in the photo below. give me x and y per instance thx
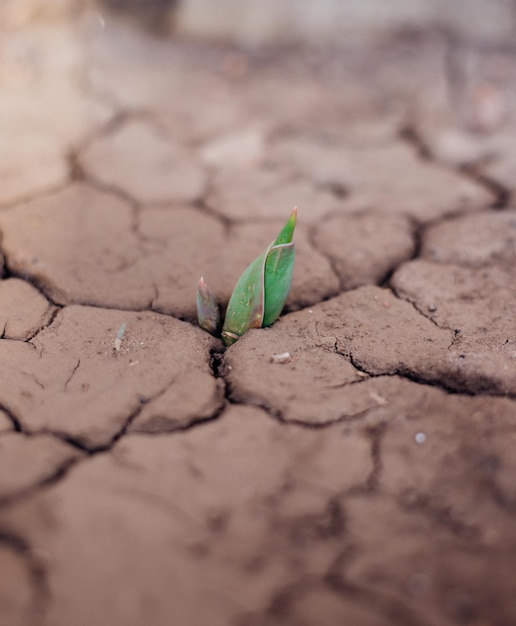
(367, 481)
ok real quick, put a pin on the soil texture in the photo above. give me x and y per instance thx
(352, 464)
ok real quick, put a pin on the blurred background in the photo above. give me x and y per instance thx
(446, 69)
(265, 21)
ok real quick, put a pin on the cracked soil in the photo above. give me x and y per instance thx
(147, 475)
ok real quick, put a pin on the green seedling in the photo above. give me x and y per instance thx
(260, 293)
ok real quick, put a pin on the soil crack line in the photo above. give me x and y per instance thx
(56, 476)
(15, 421)
(36, 570)
(77, 365)
(331, 261)
(501, 194)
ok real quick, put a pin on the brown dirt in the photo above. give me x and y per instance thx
(147, 475)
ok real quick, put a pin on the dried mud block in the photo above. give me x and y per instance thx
(475, 240)
(267, 193)
(141, 161)
(457, 146)
(353, 120)
(478, 305)
(413, 562)
(79, 245)
(71, 378)
(439, 440)
(28, 461)
(41, 69)
(241, 503)
(184, 244)
(445, 467)
(443, 486)
(391, 178)
(365, 247)
(312, 384)
(30, 166)
(142, 73)
(368, 328)
(241, 148)
(88, 247)
(23, 310)
(205, 113)
(192, 397)
(16, 592)
(492, 154)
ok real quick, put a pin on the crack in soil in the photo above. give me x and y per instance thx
(64, 469)
(501, 194)
(283, 599)
(410, 135)
(37, 195)
(56, 476)
(376, 434)
(403, 373)
(17, 427)
(384, 604)
(38, 282)
(69, 379)
(36, 570)
(219, 370)
(202, 205)
(331, 261)
(50, 321)
(336, 580)
(114, 190)
(442, 515)
(116, 121)
(232, 398)
(396, 293)
(75, 169)
(280, 604)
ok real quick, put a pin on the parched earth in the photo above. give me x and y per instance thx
(147, 475)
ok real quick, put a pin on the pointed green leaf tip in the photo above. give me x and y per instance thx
(261, 292)
(208, 312)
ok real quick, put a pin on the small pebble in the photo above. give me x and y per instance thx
(420, 437)
(283, 357)
(119, 337)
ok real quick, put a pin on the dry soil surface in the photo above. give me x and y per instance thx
(147, 475)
